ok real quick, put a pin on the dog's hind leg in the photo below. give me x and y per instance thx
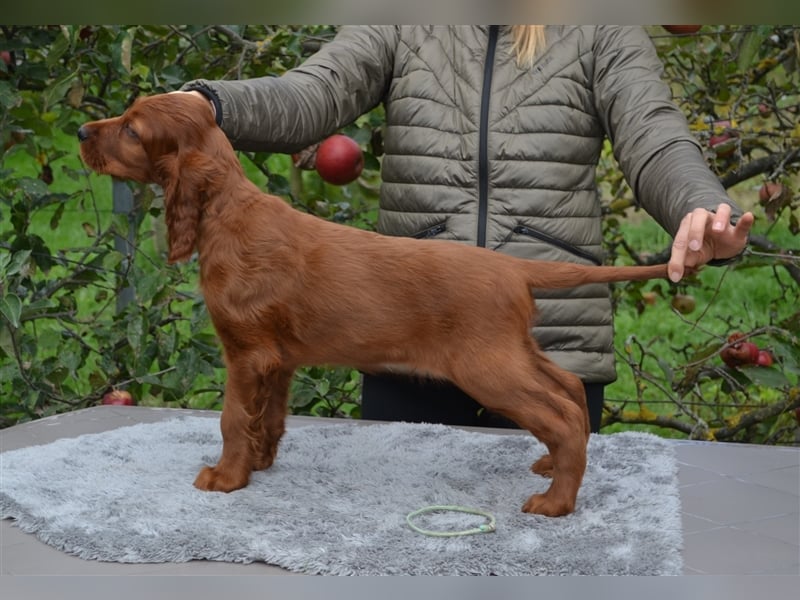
(510, 388)
(562, 382)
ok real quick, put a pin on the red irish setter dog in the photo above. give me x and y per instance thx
(286, 289)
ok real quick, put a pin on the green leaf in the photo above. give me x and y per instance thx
(767, 377)
(57, 90)
(6, 342)
(56, 218)
(147, 285)
(56, 50)
(323, 387)
(11, 309)
(705, 352)
(9, 97)
(278, 185)
(737, 375)
(40, 308)
(752, 43)
(48, 339)
(669, 374)
(32, 187)
(149, 379)
(18, 260)
(168, 340)
(112, 260)
(135, 331)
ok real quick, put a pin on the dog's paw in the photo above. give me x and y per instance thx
(543, 466)
(263, 463)
(266, 458)
(544, 504)
(212, 479)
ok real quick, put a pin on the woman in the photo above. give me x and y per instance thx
(493, 134)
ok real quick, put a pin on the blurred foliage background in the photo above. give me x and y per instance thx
(88, 304)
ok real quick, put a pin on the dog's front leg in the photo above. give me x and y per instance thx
(252, 424)
(276, 394)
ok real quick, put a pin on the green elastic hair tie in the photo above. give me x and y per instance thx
(489, 527)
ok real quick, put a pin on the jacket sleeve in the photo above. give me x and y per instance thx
(659, 156)
(347, 77)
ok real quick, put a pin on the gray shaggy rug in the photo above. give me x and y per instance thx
(336, 501)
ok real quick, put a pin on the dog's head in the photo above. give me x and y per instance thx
(167, 139)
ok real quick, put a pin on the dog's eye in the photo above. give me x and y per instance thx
(129, 130)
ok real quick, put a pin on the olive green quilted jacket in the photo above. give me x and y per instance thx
(481, 151)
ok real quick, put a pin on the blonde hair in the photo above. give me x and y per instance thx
(528, 41)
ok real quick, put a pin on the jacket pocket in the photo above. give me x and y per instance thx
(430, 232)
(558, 243)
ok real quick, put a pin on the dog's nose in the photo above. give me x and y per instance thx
(83, 133)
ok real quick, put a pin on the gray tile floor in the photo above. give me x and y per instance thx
(741, 507)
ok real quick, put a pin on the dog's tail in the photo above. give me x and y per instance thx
(552, 275)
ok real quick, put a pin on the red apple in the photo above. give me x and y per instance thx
(683, 303)
(764, 358)
(339, 160)
(5, 56)
(723, 144)
(735, 337)
(769, 191)
(650, 298)
(764, 110)
(752, 352)
(682, 29)
(118, 398)
(739, 353)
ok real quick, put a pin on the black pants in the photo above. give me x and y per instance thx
(418, 400)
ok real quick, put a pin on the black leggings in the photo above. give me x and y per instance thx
(419, 400)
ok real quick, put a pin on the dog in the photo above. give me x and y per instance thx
(286, 289)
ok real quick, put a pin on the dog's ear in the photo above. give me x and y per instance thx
(188, 176)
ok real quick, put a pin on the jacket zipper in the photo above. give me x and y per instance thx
(558, 243)
(430, 232)
(483, 138)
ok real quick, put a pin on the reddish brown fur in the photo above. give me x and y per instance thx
(286, 289)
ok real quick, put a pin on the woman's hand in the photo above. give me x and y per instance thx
(704, 236)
